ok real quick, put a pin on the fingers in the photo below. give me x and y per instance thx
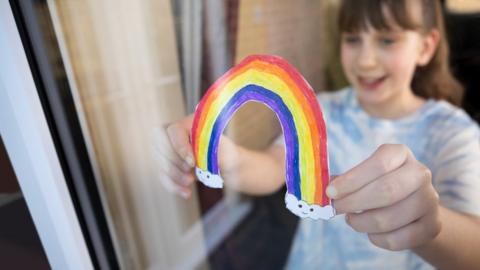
(172, 150)
(409, 236)
(178, 134)
(391, 218)
(386, 190)
(171, 177)
(183, 178)
(170, 185)
(164, 149)
(386, 158)
(389, 196)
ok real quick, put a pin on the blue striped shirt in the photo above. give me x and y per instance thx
(441, 136)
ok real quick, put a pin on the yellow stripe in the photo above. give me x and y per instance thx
(275, 84)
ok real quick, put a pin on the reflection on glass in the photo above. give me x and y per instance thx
(135, 66)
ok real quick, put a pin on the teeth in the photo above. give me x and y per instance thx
(371, 80)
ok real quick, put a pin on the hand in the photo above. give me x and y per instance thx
(174, 154)
(390, 197)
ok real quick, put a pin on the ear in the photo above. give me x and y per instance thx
(429, 47)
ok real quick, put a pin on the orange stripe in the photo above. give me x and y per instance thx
(311, 120)
(213, 93)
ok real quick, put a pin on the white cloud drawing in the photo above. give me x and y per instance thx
(209, 179)
(305, 210)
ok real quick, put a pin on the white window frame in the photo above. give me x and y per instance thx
(30, 147)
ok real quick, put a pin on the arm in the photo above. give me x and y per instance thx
(457, 244)
(391, 198)
(456, 176)
(258, 172)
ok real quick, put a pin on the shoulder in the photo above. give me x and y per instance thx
(450, 128)
(455, 155)
(443, 116)
(335, 99)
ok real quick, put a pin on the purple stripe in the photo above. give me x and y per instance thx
(269, 98)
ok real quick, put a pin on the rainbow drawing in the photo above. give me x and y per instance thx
(274, 82)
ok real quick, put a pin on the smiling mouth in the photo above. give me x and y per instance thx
(371, 83)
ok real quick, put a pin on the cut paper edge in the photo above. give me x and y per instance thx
(305, 210)
(209, 179)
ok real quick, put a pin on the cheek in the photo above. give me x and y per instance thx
(346, 58)
(402, 65)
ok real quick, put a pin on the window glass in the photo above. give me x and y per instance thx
(135, 67)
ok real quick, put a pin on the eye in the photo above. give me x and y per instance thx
(352, 39)
(386, 41)
(299, 206)
(311, 209)
(208, 175)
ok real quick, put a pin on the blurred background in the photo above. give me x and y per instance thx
(127, 67)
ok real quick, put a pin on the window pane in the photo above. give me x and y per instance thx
(134, 67)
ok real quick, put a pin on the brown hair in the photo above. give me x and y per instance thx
(433, 80)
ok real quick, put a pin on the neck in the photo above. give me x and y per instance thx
(396, 107)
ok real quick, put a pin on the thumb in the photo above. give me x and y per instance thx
(180, 140)
(331, 191)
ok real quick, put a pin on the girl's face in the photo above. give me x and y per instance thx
(380, 64)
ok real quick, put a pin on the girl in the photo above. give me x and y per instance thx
(408, 162)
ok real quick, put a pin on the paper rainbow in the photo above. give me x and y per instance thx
(274, 82)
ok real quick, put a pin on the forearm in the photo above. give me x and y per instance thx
(457, 245)
(259, 173)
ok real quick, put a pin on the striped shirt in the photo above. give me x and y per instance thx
(441, 136)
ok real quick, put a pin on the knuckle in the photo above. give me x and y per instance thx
(380, 222)
(159, 137)
(388, 156)
(408, 240)
(387, 241)
(167, 183)
(384, 148)
(352, 221)
(339, 206)
(169, 127)
(173, 130)
(389, 190)
(391, 243)
(402, 148)
(394, 246)
(437, 228)
(374, 239)
(436, 197)
(383, 164)
(425, 173)
(379, 240)
(432, 226)
(173, 174)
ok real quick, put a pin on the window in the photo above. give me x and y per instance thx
(134, 66)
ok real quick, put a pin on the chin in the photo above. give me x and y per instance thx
(375, 97)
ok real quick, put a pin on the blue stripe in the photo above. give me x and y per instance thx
(274, 102)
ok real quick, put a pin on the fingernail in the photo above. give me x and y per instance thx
(185, 194)
(187, 179)
(190, 161)
(331, 192)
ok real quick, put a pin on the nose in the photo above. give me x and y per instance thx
(367, 57)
